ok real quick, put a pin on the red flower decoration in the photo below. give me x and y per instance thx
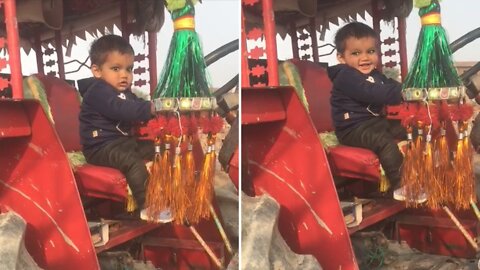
(444, 111)
(216, 124)
(152, 127)
(455, 112)
(407, 114)
(173, 126)
(185, 122)
(465, 111)
(204, 123)
(422, 115)
(193, 125)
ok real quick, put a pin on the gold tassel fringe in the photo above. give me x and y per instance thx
(130, 203)
(180, 201)
(154, 190)
(204, 192)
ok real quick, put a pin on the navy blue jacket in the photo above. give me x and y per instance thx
(357, 97)
(107, 114)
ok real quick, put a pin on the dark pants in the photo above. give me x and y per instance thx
(127, 155)
(379, 135)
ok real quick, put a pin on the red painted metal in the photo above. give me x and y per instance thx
(59, 51)
(245, 70)
(127, 231)
(179, 254)
(402, 42)
(313, 37)
(36, 182)
(101, 182)
(432, 231)
(188, 253)
(376, 211)
(13, 45)
(284, 158)
(271, 42)
(317, 87)
(16, 124)
(152, 60)
(234, 169)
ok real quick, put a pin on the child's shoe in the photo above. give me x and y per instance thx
(164, 216)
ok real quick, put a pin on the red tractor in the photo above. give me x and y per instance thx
(58, 201)
(285, 105)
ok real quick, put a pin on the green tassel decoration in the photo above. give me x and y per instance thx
(184, 73)
(432, 66)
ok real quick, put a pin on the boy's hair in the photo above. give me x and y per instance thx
(107, 44)
(353, 29)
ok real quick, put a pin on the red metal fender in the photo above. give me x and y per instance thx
(282, 156)
(36, 182)
(233, 170)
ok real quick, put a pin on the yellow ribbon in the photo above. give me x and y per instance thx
(184, 23)
(431, 18)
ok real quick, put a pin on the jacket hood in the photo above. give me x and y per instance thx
(84, 84)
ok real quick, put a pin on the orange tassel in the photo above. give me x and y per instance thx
(464, 175)
(205, 189)
(154, 185)
(442, 166)
(189, 169)
(384, 184)
(469, 173)
(464, 180)
(408, 166)
(411, 173)
(130, 203)
(190, 181)
(419, 147)
(180, 201)
(431, 182)
(166, 175)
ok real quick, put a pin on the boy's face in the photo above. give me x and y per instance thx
(360, 53)
(116, 70)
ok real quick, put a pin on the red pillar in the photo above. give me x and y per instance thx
(152, 60)
(402, 44)
(271, 42)
(13, 45)
(244, 58)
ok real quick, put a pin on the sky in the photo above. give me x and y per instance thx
(453, 15)
(217, 23)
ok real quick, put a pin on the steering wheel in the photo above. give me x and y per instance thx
(231, 103)
(473, 86)
(226, 104)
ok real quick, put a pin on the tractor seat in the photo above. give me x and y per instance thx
(64, 108)
(345, 161)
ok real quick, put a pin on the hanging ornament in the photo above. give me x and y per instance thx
(434, 86)
(183, 98)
